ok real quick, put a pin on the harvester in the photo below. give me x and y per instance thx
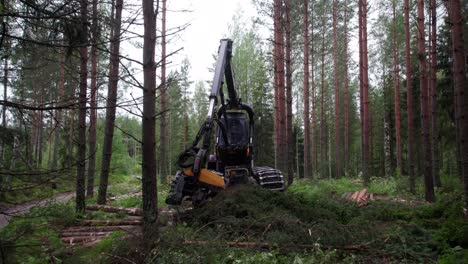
(229, 122)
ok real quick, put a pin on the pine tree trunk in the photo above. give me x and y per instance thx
(71, 141)
(4, 122)
(313, 134)
(289, 136)
(365, 93)
(346, 92)
(435, 125)
(111, 104)
(58, 112)
(337, 95)
(81, 141)
(306, 91)
(361, 102)
(396, 86)
(323, 142)
(409, 103)
(282, 97)
(459, 77)
(276, 57)
(279, 87)
(425, 119)
(163, 88)
(93, 105)
(149, 182)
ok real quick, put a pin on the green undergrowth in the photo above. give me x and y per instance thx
(308, 223)
(311, 223)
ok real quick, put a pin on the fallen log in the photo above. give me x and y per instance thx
(78, 240)
(272, 245)
(102, 228)
(113, 209)
(84, 234)
(110, 222)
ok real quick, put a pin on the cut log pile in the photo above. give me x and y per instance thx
(360, 197)
(91, 232)
(363, 197)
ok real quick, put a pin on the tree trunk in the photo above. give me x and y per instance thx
(93, 105)
(365, 92)
(58, 112)
(337, 95)
(409, 103)
(435, 125)
(276, 57)
(346, 92)
(306, 91)
(4, 124)
(281, 91)
(396, 86)
(459, 77)
(361, 103)
(163, 124)
(149, 182)
(289, 136)
(111, 104)
(323, 142)
(428, 181)
(81, 141)
(71, 141)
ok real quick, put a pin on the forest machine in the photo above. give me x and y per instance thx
(231, 124)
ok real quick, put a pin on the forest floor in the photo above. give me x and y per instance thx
(311, 222)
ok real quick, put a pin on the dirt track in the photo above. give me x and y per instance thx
(17, 210)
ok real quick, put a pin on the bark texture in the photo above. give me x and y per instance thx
(459, 77)
(81, 141)
(163, 88)
(149, 182)
(425, 117)
(289, 114)
(93, 104)
(337, 95)
(111, 104)
(409, 102)
(306, 91)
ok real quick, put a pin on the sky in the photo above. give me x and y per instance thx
(209, 21)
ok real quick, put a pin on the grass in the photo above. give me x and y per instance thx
(309, 213)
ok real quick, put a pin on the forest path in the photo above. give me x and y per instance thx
(17, 210)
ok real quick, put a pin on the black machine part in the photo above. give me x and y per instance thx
(234, 143)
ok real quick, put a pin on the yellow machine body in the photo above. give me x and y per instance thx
(208, 177)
